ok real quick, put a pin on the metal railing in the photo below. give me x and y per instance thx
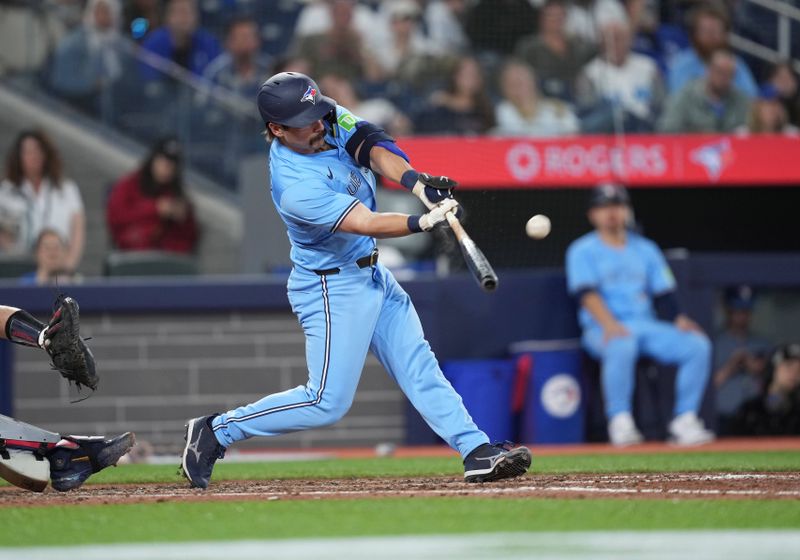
(786, 14)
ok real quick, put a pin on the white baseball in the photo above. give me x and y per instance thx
(538, 227)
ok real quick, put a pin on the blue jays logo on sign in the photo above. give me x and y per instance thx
(309, 95)
(354, 183)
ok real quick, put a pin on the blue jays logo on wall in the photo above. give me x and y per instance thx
(309, 95)
(354, 183)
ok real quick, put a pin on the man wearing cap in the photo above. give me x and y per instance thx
(776, 411)
(323, 161)
(628, 309)
(740, 357)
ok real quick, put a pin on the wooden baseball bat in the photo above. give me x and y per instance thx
(477, 262)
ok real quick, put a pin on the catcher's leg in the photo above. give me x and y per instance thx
(23, 454)
(76, 458)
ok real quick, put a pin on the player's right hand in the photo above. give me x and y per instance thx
(437, 215)
(614, 330)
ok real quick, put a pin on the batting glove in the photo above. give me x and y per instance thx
(437, 187)
(437, 215)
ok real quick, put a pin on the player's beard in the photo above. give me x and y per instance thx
(317, 142)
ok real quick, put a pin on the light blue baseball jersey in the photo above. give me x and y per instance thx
(314, 193)
(626, 277)
(347, 313)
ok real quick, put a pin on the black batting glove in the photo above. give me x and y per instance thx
(437, 187)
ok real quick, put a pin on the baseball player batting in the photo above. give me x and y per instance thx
(322, 164)
(30, 457)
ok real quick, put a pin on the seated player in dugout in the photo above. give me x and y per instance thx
(323, 161)
(628, 308)
(31, 457)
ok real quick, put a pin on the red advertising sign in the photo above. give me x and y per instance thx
(637, 161)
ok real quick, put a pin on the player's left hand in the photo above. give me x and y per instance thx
(62, 341)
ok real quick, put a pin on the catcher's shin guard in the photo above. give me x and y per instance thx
(23, 450)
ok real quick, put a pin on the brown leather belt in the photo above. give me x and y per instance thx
(363, 262)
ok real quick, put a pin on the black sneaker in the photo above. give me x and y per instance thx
(201, 451)
(76, 458)
(496, 461)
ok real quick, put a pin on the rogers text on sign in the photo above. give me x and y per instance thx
(598, 161)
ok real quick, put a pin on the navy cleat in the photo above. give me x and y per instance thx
(201, 451)
(497, 461)
(76, 458)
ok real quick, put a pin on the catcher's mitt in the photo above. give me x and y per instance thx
(62, 341)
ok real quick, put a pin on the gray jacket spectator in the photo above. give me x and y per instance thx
(710, 104)
(557, 58)
(89, 58)
(241, 68)
(397, 44)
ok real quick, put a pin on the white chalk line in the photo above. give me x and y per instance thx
(448, 492)
(597, 545)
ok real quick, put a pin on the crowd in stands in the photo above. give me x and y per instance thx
(464, 67)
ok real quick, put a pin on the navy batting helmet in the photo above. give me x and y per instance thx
(292, 99)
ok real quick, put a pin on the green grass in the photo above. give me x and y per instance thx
(176, 521)
(192, 521)
(451, 466)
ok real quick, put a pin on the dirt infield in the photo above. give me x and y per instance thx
(621, 486)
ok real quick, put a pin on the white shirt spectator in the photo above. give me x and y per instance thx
(634, 85)
(552, 118)
(445, 32)
(584, 22)
(30, 213)
(316, 19)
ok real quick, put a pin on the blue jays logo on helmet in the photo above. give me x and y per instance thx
(310, 95)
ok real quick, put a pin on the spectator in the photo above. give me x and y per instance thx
(652, 37)
(497, 26)
(776, 411)
(626, 293)
(318, 18)
(785, 82)
(89, 59)
(380, 112)
(399, 47)
(141, 16)
(291, 64)
(740, 356)
(51, 255)
(181, 41)
(708, 33)
(149, 209)
(445, 22)
(709, 104)
(241, 68)
(463, 107)
(586, 17)
(35, 196)
(619, 89)
(524, 112)
(557, 58)
(27, 37)
(341, 48)
(768, 115)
